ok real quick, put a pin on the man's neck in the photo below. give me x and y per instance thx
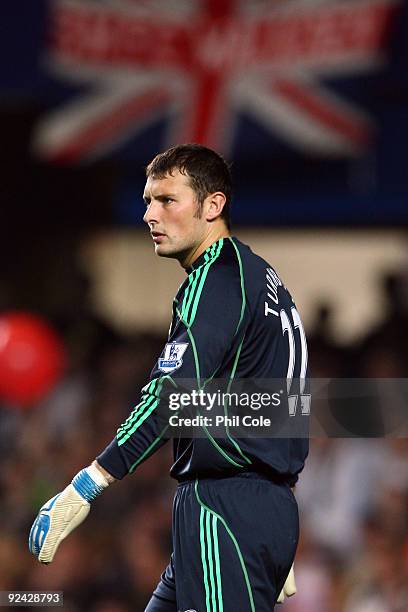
(203, 246)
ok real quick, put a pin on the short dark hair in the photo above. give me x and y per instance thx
(207, 170)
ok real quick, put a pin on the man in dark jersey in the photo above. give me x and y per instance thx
(235, 518)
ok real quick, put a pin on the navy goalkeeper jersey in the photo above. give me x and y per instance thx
(232, 318)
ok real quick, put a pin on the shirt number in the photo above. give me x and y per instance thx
(289, 330)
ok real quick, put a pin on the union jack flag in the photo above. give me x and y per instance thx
(199, 64)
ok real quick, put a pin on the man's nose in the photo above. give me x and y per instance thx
(152, 213)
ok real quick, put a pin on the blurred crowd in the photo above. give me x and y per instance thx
(353, 493)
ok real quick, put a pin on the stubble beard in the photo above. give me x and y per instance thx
(171, 251)
(177, 251)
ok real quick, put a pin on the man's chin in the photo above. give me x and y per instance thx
(164, 251)
(168, 252)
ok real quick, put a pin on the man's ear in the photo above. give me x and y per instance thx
(214, 204)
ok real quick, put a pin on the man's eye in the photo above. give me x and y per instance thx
(169, 200)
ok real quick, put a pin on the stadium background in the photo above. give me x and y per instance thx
(313, 113)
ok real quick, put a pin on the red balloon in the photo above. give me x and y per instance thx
(32, 358)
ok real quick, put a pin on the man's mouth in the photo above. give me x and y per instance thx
(157, 236)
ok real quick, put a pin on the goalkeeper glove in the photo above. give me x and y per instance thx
(289, 588)
(64, 512)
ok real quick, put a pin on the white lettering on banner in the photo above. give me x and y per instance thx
(142, 63)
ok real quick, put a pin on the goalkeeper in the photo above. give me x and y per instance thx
(235, 518)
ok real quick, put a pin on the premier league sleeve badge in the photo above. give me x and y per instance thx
(172, 357)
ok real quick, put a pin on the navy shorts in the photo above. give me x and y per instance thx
(234, 541)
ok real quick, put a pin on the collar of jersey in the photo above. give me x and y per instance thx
(200, 260)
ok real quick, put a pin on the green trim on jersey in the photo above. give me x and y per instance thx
(197, 366)
(196, 283)
(192, 297)
(215, 254)
(234, 367)
(243, 306)
(193, 346)
(221, 450)
(237, 548)
(187, 315)
(159, 437)
(141, 412)
(237, 355)
(192, 283)
(148, 449)
(241, 277)
(147, 399)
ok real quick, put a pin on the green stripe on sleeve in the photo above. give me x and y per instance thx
(148, 397)
(138, 410)
(142, 417)
(138, 423)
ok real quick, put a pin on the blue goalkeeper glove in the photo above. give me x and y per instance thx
(64, 512)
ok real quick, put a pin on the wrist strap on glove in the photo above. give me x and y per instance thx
(89, 483)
